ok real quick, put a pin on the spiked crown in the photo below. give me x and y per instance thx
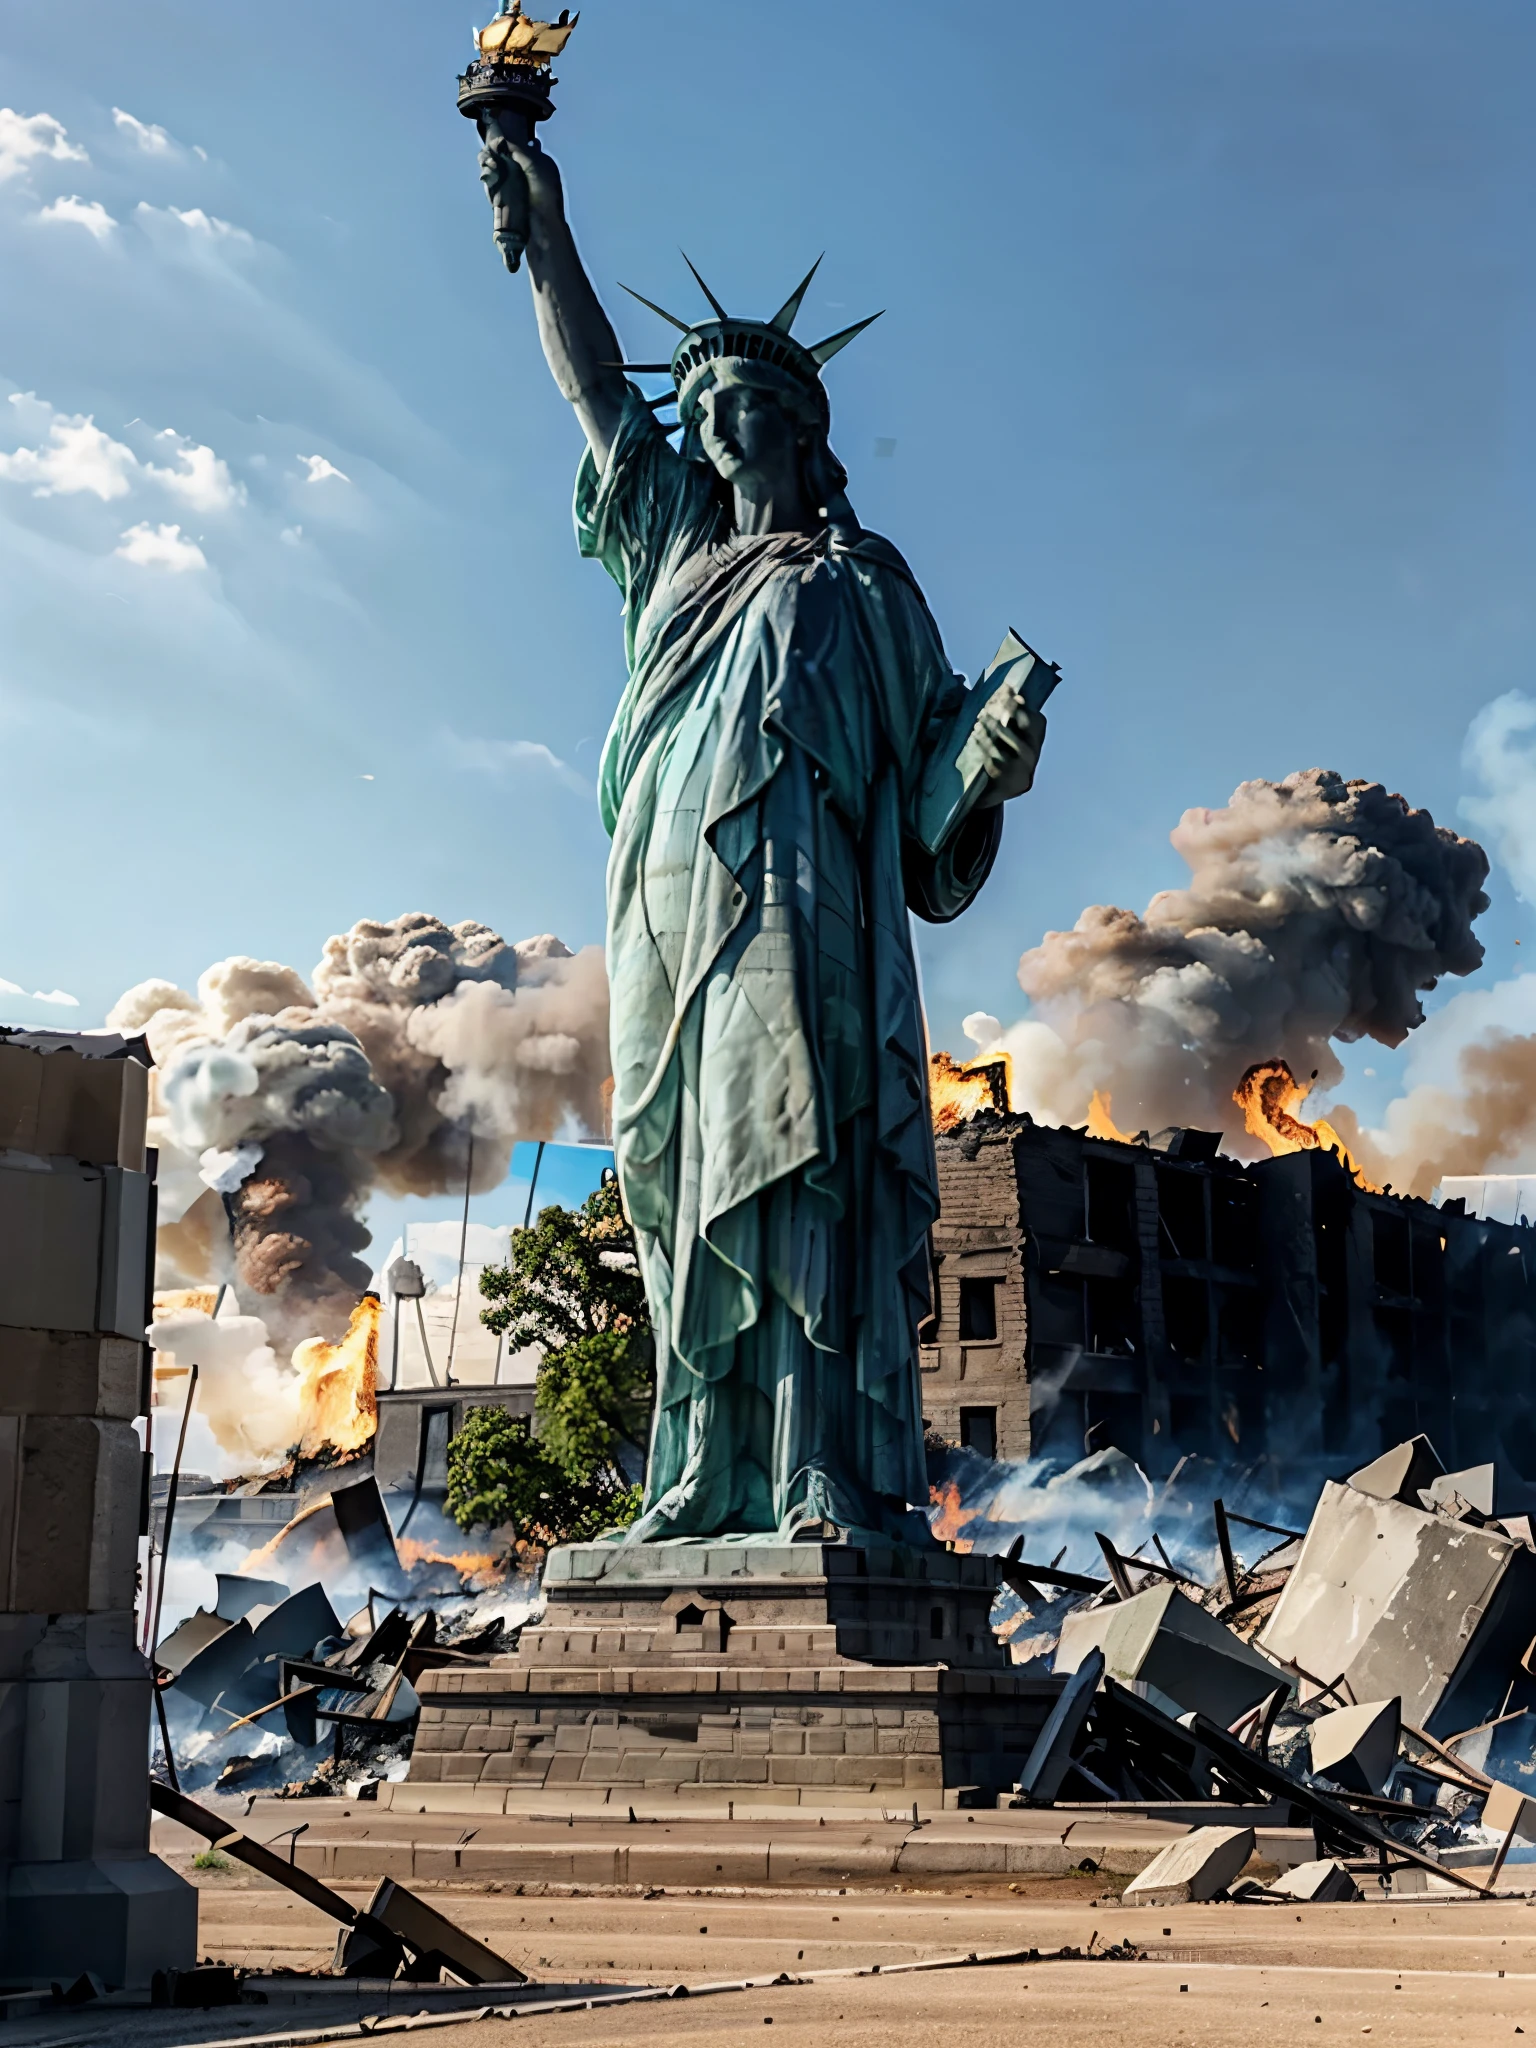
(707, 344)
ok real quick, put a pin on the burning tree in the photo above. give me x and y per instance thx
(573, 1288)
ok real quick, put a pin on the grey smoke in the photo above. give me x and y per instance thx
(1318, 909)
(289, 1103)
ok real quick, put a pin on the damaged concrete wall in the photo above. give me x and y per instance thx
(1164, 1299)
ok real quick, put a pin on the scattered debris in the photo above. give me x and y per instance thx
(1357, 1677)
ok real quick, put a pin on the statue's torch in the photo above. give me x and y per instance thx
(505, 92)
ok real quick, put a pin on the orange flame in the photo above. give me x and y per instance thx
(338, 1408)
(469, 1564)
(1101, 1124)
(956, 1092)
(1269, 1095)
(952, 1517)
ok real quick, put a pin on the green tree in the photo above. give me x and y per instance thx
(573, 1288)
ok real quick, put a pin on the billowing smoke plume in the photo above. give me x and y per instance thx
(1317, 909)
(288, 1104)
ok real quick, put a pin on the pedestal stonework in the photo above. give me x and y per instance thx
(812, 1674)
(79, 1889)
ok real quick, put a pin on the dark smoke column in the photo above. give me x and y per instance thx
(79, 1889)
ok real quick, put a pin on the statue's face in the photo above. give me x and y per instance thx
(745, 432)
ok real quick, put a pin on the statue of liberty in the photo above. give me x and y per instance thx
(792, 768)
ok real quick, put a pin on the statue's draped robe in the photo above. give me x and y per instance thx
(764, 786)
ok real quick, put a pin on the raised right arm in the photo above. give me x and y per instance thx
(580, 345)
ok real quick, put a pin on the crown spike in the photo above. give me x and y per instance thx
(824, 351)
(682, 326)
(720, 312)
(785, 317)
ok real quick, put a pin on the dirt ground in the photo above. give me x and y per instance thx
(1403, 1972)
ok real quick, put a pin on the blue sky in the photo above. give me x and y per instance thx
(1207, 359)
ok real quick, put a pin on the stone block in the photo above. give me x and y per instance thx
(49, 1372)
(825, 1741)
(426, 1770)
(787, 1741)
(1194, 1869)
(69, 1516)
(853, 1770)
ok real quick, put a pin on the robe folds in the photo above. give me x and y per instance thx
(781, 785)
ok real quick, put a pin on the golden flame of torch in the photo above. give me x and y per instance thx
(1269, 1096)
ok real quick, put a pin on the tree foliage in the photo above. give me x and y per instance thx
(571, 1287)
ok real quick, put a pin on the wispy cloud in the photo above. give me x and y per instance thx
(502, 758)
(160, 547)
(319, 470)
(38, 995)
(200, 226)
(76, 212)
(26, 137)
(154, 141)
(1501, 752)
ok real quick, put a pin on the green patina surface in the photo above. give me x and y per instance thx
(789, 773)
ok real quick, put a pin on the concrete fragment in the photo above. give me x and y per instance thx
(1507, 1807)
(1401, 1473)
(1434, 1612)
(1199, 1867)
(175, 1652)
(1474, 1486)
(1051, 1757)
(1357, 1746)
(1320, 1884)
(1162, 1639)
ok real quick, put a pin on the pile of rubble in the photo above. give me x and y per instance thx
(271, 1690)
(1366, 1677)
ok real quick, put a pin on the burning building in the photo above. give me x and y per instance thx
(1157, 1295)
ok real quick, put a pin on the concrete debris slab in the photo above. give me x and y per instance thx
(238, 1595)
(1407, 1603)
(1401, 1473)
(1326, 1883)
(1162, 1639)
(190, 1638)
(1357, 1746)
(1199, 1868)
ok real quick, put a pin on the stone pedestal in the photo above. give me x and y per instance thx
(79, 1889)
(798, 1674)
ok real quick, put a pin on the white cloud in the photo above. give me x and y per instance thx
(74, 211)
(152, 140)
(201, 480)
(1501, 752)
(319, 469)
(56, 995)
(292, 536)
(78, 456)
(507, 757)
(160, 547)
(24, 137)
(10, 988)
(208, 225)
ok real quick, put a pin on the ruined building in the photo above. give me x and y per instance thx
(1167, 1299)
